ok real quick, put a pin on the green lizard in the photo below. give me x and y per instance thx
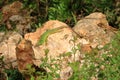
(45, 35)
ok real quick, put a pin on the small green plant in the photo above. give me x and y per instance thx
(3, 28)
(58, 10)
(76, 70)
(2, 63)
(13, 74)
(101, 66)
(51, 66)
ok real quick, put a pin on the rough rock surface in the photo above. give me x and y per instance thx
(25, 57)
(57, 43)
(8, 43)
(95, 29)
(24, 54)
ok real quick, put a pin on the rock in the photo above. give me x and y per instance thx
(3, 76)
(58, 44)
(24, 54)
(48, 25)
(1, 36)
(23, 24)
(14, 17)
(95, 29)
(54, 41)
(65, 73)
(25, 57)
(8, 45)
(11, 9)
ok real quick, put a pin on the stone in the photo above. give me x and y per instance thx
(25, 57)
(24, 54)
(1, 36)
(58, 44)
(23, 24)
(14, 17)
(7, 47)
(95, 29)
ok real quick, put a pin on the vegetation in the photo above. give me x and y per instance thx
(103, 66)
(70, 11)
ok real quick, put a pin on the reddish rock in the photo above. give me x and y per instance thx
(24, 54)
(58, 44)
(25, 57)
(86, 48)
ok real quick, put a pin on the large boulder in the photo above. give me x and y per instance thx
(59, 43)
(95, 29)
